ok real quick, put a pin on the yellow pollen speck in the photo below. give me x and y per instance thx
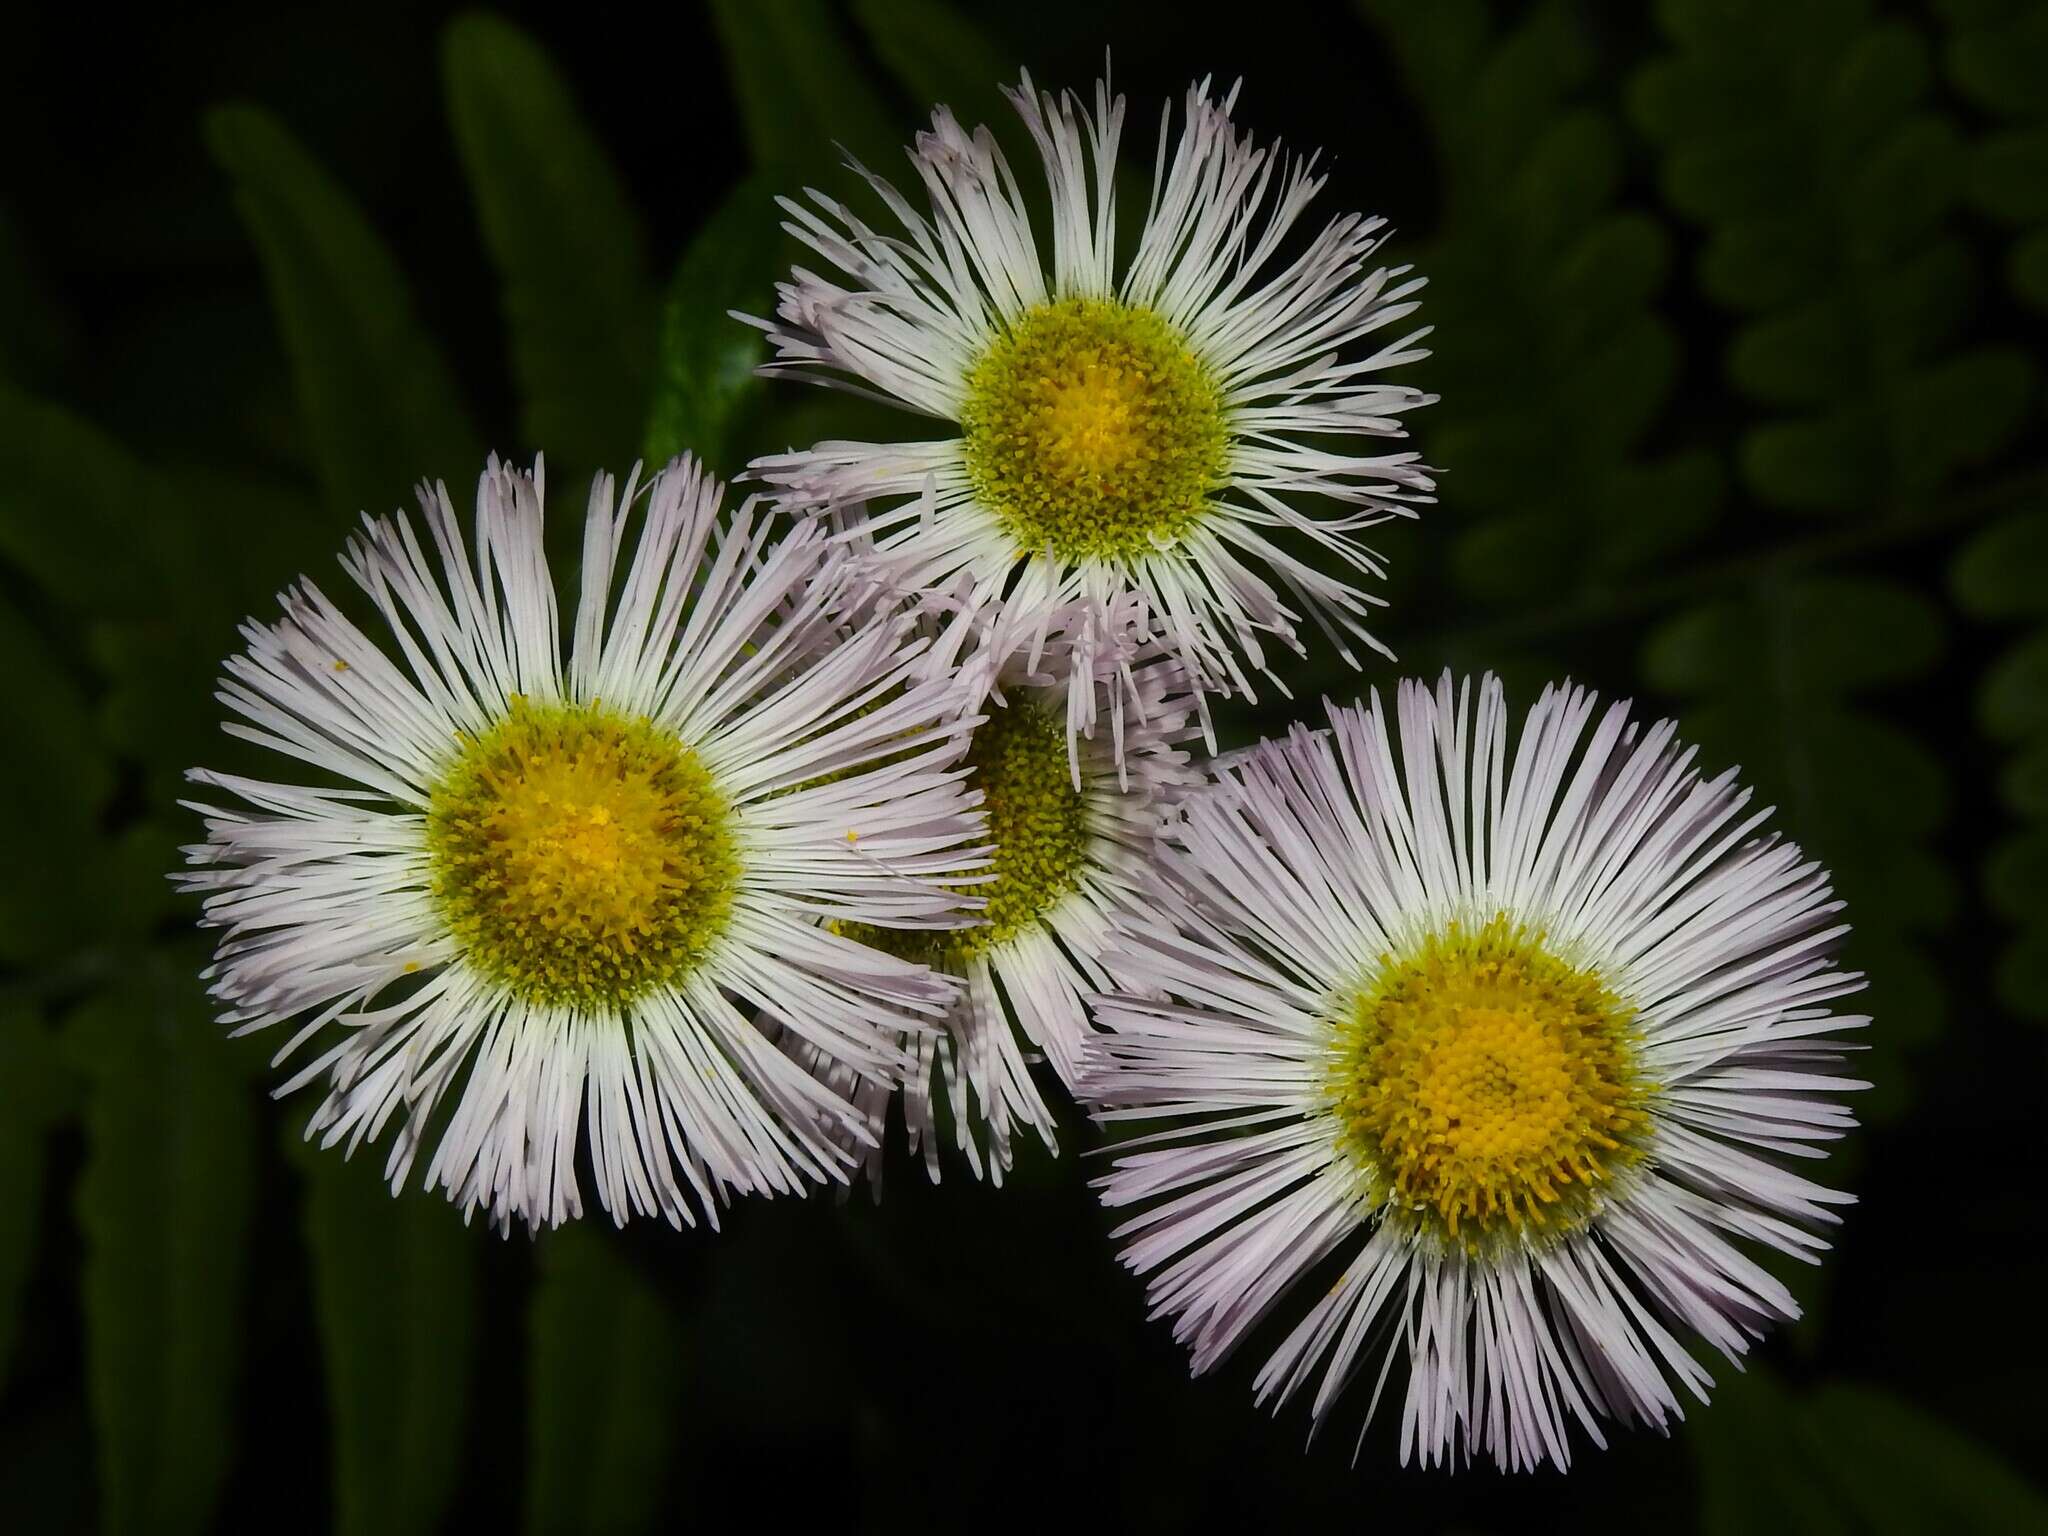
(580, 857)
(1488, 1089)
(1092, 428)
(1038, 823)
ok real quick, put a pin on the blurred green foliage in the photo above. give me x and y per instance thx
(1998, 58)
(1534, 258)
(164, 1204)
(1847, 1458)
(379, 404)
(1740, 309)
(397, 1290)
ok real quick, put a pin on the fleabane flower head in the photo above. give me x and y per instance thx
(1071, 827)
(1202, 430)
(1482, 1052)
(534, 895)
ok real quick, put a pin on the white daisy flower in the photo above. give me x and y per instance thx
(1072, 822)
(530, 899)
(1489, 1047)
(1173, 432)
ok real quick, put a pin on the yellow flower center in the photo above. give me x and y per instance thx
(1092, 429)
(1489, 1089)
(581, 857)
(1038, 823)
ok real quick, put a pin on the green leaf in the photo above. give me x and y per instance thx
(2026, 269)
(2023, 975)
(1762, 264)
(1880, 75)
(1547, 58)
(803, 93)
(1848, 1458)
(1801, 355)
(1731, 177)
(113, 538)
(1652, 509)
(2003, 573)
(1776, 682)
(1819, 464)
(2009, 179)
(34, 1094)
(1824, 637)
(380, 406)
(1903, 186)
(2017, 876)
(2000, 59)
(83, 890)
(164, 1202)
(1611, 270)
(1751, 1460)
(566, 241)
(1544, 463)
(395, 1282)
(74, 505)
(2014, 703)
(1902, 1470)
(1823, 182)
(1570, 176)
(705, 378)
(938, 56)
(158, 566)
(605, 1392)
(2025, 782)
(161, 666)
(1962, 410)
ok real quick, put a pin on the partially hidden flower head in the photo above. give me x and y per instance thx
(1478, 1066)
(527, 889)
(1072, 824)
(1203, 428)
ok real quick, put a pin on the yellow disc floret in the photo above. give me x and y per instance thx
(1489, 1089)
(580, 856)
(1038, 823)
(1092, 429)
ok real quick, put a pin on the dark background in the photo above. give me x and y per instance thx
(1741, 317)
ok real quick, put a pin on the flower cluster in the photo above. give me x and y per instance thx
(878, 798)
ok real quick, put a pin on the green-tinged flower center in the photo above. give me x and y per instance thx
(579, 856)
(1489, 1089)
(1092, 429)
(1038, 823)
